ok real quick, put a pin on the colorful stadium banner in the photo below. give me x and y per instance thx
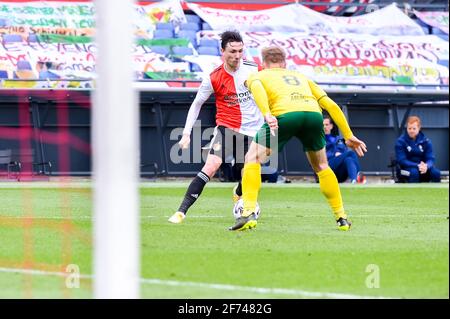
(328, 49)
(356, 58)
(389, 20)
(158, 12)
(73, 59)
(78, 18)
(76, 15)
(437, 19)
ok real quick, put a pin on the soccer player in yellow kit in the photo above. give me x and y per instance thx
(292, 106)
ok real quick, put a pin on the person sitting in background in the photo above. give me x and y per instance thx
(414, 155)
(343, 162)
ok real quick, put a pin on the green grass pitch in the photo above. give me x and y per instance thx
(398, 246)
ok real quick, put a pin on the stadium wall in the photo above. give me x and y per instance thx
(374, 117)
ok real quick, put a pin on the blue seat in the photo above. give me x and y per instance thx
(44, 75)
(189, 34)
(426, 29)
(437, 31)
(205, 42)
(192, 18)
(32, 38)
(3, 74)
(160, 49)
(12, 38)
(178, 50)
(4, 23)
(23, 65)
(164, 26)
(162, 34)
(208, 51)
(420, 22)
(190, 26)
(443, 62)
(206, 26)
(195, 67)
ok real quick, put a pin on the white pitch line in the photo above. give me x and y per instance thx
(90, 217)
(258, 290)
(175, 283)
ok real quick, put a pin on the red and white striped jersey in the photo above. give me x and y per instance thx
(236, 108)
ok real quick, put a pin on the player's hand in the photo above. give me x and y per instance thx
(272, 122)
(357, 145)
(185, 141)
(423, 167)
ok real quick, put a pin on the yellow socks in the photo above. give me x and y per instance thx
(251, 183)
(330, 188)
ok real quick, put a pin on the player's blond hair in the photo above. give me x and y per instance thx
(273, 54)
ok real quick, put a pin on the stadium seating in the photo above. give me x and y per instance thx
(438, 32)
(193, 18)
(195, 67)
(443, 62)
(208, 51)
(4, 23)
(163, 34)
(189, 34)
(48, 75)
(204, 42)
(24, 71)
(178, 50)
(32, 38)
(206, 26)
(426, 29)
(160, 49)
(164, 26)
(12, 38)
(23, 65)
(190, 26)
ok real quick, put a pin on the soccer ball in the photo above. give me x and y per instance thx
(239, 208)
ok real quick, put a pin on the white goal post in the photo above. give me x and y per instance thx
(115, 136)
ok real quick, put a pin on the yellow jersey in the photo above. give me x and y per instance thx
(288, 91)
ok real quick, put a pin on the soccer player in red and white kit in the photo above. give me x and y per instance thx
(237, 118)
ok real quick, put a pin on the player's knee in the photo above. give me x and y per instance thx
(349, 160)
(212, 165)
(352, 155)
(252, 155)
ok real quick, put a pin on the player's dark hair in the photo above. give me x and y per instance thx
(229, 36)
(327, 117)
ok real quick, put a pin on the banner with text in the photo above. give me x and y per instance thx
(389, 20)
(356, 58)
(78, 18)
